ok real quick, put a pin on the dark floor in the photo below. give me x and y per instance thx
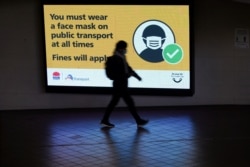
(201, 136)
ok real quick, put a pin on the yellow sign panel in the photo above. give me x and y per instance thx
(82, 36)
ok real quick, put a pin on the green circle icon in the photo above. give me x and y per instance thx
(172, 53)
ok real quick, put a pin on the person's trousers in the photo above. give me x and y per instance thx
(114, 101)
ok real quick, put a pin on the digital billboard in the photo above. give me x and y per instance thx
(78, 38)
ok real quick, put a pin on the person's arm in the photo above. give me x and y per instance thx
(134, 74)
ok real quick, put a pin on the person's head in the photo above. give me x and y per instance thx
(153, 37)
(121, 47)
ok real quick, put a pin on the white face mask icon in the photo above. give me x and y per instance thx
(154, 42)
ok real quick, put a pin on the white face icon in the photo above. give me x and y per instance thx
(153, 42)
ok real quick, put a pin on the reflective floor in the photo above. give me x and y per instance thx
(201, 136)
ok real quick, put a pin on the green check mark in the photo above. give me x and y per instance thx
(172, 53)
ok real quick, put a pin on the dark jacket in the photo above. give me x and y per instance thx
(120, 70)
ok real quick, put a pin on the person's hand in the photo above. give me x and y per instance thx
(136, 76)
(139, 78)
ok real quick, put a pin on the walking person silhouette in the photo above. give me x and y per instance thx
(121, 71)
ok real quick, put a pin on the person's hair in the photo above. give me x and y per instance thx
(121, 45)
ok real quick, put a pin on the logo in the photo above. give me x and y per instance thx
(56, 75)
(177, 77)
(69, 77)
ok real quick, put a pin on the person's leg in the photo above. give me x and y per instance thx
(115, 99)
(131, 106)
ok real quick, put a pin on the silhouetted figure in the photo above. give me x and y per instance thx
(122, 71)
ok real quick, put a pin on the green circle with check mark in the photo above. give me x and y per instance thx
(172, 53)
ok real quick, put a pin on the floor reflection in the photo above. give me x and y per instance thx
(199, 137)
(125, 153)
(163, 141)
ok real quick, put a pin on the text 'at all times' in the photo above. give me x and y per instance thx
(74, 44)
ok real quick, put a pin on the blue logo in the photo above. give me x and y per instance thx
(69, 77)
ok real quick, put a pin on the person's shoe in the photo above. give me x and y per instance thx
(142, 122)
(107, 124)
